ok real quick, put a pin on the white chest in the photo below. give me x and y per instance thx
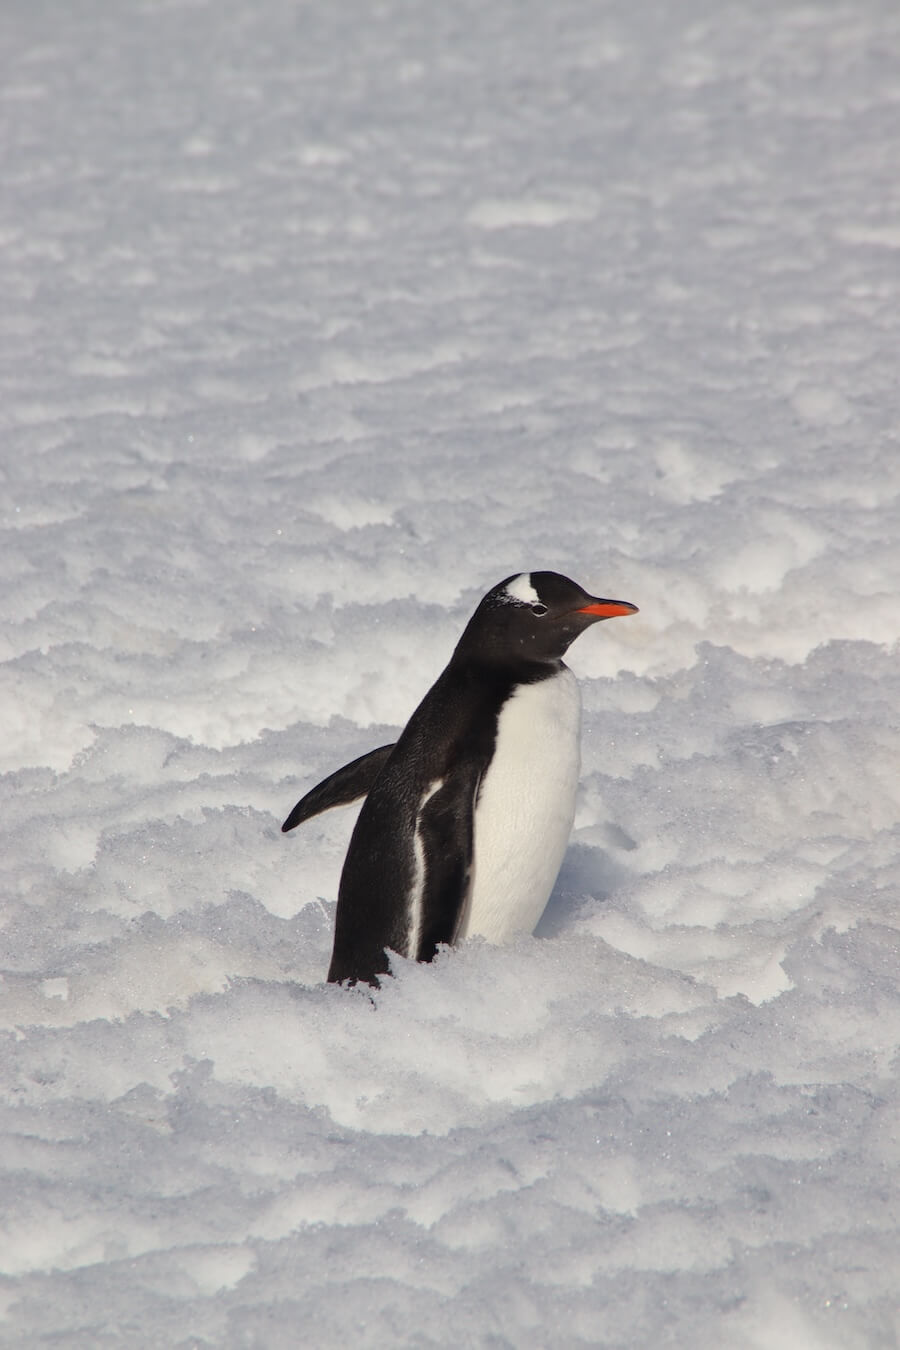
(525, 809)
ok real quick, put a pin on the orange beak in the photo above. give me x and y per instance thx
(608, 609)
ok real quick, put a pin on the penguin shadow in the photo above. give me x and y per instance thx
(588, 876)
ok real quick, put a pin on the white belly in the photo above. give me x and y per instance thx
(525, 809)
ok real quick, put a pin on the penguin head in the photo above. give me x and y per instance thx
(534, 617)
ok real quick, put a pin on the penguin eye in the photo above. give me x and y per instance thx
(539, 609)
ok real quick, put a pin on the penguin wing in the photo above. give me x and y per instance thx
(341, 787)
(446, 830)
(405, 884)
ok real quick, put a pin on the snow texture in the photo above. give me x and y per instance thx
(318, 320)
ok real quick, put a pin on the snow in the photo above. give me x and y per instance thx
(317, 322)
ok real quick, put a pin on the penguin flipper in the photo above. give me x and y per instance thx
(341, 787)
(404, 889)
(446, 827)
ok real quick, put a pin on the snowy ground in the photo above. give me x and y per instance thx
(318, 320)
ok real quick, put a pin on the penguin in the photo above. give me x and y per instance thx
(467, 816)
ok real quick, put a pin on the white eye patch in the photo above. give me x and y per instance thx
(521, 590)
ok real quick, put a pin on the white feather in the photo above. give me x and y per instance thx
(521, 589)
(525, 810)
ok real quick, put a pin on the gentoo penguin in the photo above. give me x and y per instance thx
(468, 815)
